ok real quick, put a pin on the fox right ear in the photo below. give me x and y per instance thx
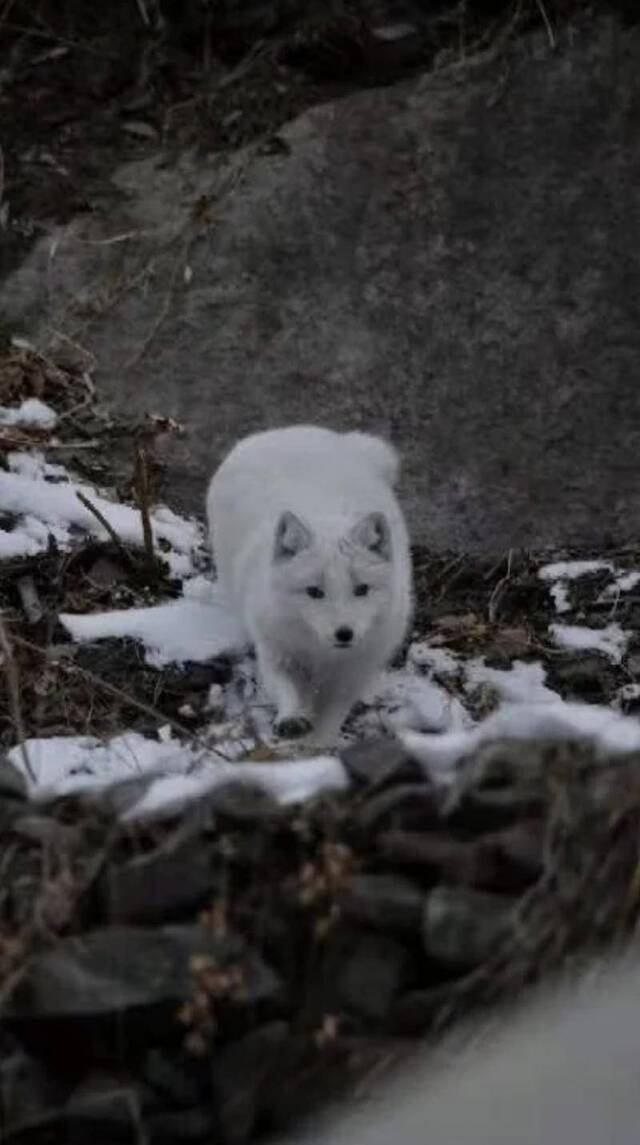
(292, 536)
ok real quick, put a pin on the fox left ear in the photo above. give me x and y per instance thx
(373, 534)
(291, 537)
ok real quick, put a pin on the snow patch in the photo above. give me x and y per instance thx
(572, 570)
(524, 682)
(560, 596)
(628, 693)
(612, 640)
(441, 661)
(178, 773)
(47, 496)
(610, 732)
(31, 414)
(193, 628)
(624, 582)
(400, 699)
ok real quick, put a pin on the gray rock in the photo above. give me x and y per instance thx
(449, 261)
(492, 809)
(376, 762)
(415, 1012)
(172, 1077)
(517, 762)
(586, 677)
(104, 1111)
(440, 854)
(241, 1075)
(12, 783)
(129, 979)
(46, 831)
(10, 811)
(385, 902)
(158, 887)
(29, 1097)
(242, 804)
(504, 861)
(370, 975)
(181, 1126)
(462, 927)
(404, 805)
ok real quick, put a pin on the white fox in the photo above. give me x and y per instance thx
(312, 551)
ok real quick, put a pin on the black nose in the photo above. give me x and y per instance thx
(344, 635)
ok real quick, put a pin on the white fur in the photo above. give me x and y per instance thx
(299, 507)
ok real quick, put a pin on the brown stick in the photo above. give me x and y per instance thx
(13, 685)
(100, 517)
(143, 498)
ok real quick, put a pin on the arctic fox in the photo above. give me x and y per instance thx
(311, 549)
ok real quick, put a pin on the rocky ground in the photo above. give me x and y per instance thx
(225, 971)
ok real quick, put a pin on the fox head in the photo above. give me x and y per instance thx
(337, 588)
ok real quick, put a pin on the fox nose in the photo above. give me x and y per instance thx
(344, 634)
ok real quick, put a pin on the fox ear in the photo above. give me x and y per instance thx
(292, 536)
(373, 534)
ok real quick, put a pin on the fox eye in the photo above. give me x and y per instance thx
(315, 592)
(361, 590)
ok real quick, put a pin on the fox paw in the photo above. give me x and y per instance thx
(293, 727)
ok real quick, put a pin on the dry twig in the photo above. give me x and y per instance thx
(13, 686)
(142, 493)
(100, 517)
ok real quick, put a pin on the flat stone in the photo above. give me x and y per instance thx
(178, 1126)
(584, 677)
(104, 1111)
(125, 980)
(13, 785)
(492, 809)
(370, 975)
(407, 806)
(172, 1077)
(414, 1013)
(461, 927)
(29, 1096)
(166, 883)
(378, 762)
(385, 902)
(241, 803)
(241, 1074)
(438, 854)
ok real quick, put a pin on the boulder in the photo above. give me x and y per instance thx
(452, 260)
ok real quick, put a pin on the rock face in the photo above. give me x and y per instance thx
(452, 261)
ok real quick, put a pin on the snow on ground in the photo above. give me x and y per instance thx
(560, 574)
(628, 693)
(31, 414)
(612, 640)
(560, 596)
(179, 773)
(45, 500)
(178, 631)
(572, 570)
(624, 582)
(424, 702)
(402, 699)
(610, 732)
(441, 661)
(522, 683)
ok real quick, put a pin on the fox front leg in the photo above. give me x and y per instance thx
(293, 715)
